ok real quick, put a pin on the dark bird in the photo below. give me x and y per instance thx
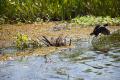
(100, 29)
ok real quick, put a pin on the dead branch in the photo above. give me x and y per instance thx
(59, 41)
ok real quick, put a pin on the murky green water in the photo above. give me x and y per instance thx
(80, 63)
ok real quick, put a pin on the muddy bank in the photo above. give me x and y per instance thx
(34, 31)
(51, 29)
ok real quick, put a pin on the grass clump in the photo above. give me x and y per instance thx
(24, 42)
(107, 42)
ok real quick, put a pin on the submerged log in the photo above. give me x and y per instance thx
(57, 42)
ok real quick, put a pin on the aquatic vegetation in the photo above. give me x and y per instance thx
(116, 60)
(98, 73)
(77, 56)
(23, 42)
(88, 70)
(92, 20)
(79, 79)
(61, 71)
(107, 42)
(114, 56)
(71, 56)
(117, 51)
(108, 64)
(2, 20)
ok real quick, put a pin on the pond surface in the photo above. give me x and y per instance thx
(79, 63)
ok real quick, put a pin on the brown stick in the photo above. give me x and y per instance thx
(70, 42)
(46, 40)
(59, 41)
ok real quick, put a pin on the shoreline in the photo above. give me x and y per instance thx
(34, 31)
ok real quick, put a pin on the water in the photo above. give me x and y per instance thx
(9, 50)
(80, 63)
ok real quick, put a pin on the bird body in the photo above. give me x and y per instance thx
(100, 29)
